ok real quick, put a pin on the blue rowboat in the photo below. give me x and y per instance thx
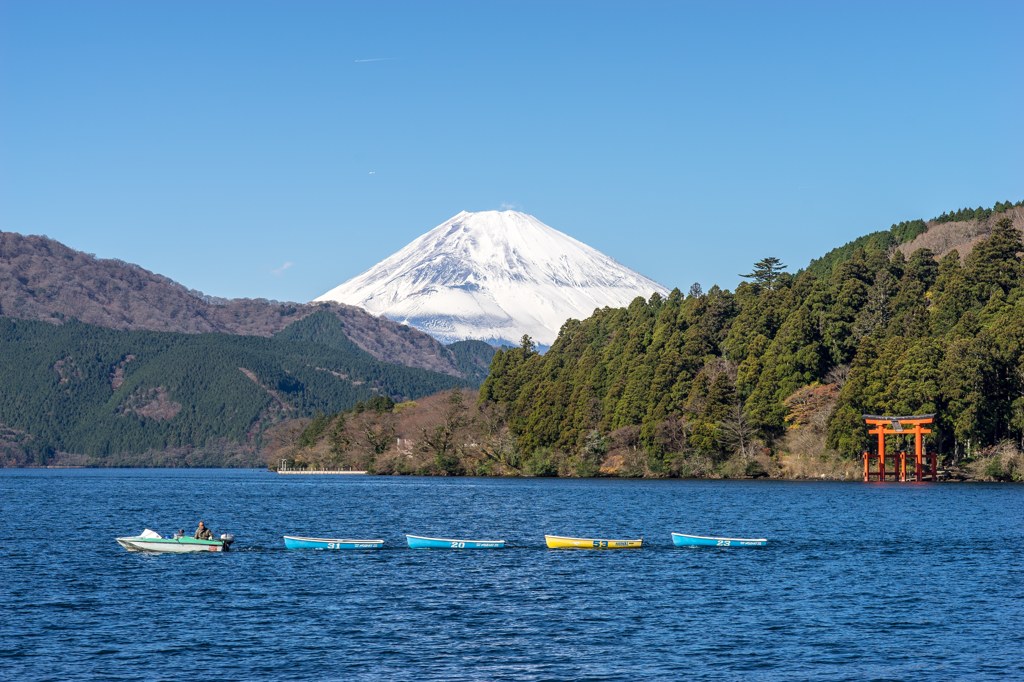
(419, 542)
(297, 542)
(681, 540)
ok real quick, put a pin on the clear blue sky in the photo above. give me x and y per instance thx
(275, 149)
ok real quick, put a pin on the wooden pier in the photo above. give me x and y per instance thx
(310, 472)
(282, 468)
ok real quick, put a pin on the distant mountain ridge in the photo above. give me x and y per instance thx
(962, 233)
(80, 394)
(958, 231)
(42, 279)
(105, 363)
(493, 276)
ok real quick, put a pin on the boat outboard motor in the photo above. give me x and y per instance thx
(227, 539)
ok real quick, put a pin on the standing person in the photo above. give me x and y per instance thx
(203, 533)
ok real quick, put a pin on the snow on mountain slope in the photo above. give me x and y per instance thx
(493, 276)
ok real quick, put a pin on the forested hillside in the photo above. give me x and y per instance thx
(771, 379)
(787, 363)
(143, 397)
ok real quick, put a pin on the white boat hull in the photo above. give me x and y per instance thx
(136, 545)
(150, 541)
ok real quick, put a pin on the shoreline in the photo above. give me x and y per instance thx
(958, 477)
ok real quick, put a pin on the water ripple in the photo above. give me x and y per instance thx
(859, 582)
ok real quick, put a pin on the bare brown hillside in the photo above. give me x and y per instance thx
(446, 433)
(42, 279)
(941, 238)
(453, 433)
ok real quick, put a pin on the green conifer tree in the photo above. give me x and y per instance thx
(766, 272)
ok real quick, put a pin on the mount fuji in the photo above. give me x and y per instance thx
(493, 276)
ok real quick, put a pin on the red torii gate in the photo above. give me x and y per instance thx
(899, 426)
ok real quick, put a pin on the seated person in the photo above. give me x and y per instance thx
(203, 533)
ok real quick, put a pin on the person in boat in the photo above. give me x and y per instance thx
(203, 533)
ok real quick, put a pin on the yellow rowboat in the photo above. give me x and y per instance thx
(559, 542)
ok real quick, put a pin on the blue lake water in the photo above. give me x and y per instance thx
(860, 581)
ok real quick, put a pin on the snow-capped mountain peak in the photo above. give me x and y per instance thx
(494, 276)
